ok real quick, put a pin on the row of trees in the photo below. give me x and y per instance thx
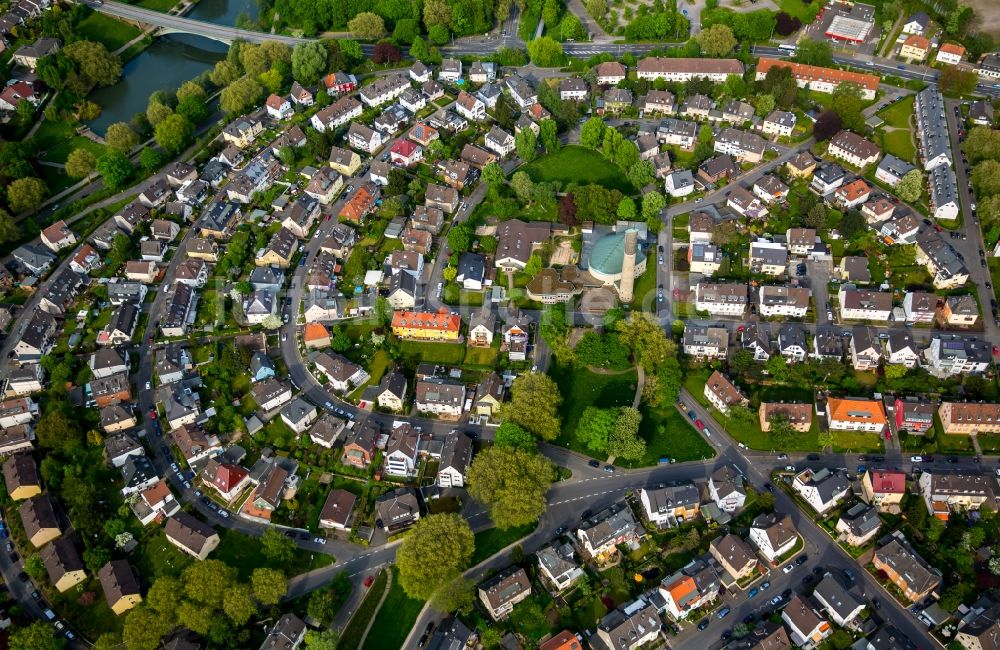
(982, 146)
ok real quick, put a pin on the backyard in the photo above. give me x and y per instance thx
(492, 540)
(897, 138)
(105, 30)
(575, 164)
(394, 618)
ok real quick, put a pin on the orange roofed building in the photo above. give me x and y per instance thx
(856, 414)
(824, 80)
(426, 325)
(565, 640)
(316, 336)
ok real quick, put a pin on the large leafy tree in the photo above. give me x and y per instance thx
(534, 405)
(121, 137)
(80, 163)
(241, 95)
(595, 428)
(624, 441)
(717, 41)
(367, 26)
(26, 194)
(269, 585)
(115, 169)
(434, 553)
(37, 636)
(910, 186)
(511, 483)
(308, 62)
(174, 133)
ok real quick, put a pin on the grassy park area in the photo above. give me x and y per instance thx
(575, 164)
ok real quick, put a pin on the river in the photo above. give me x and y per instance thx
(167, 63)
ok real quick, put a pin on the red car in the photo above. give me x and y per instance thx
(996, 351)
(888, 435)
(368, 581)
(700, 425)
(152, 414)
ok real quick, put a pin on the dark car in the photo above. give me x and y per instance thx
(703, 623)
(813, 457)
(585, 514)
(13, 558)
(593, 463)
(876, 604)
(727, 635)
(800, 560)
(787, 593)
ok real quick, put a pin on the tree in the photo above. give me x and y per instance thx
(956, 82)
(526, 142)
(624, 441)
(846, 101)
(511, 483)
(717, 41)
(207, 582)
(647, 340)
(595, 428)
(640, 174)
(592, 133)
(827, 125)
(386, 52)
(786, 25)
(224, 73)
(546, 52)
(37, 636)
(96, 557)
(322, 640)
(80, 163)
(191, 89)
(449, 273)
(765, 104)
(143, 629)
(276, 547)
(626, 209)
(571, 29)
(652, 204)
(982, 143)
(308, 62)
(238, 604)
(419, 49)
(271, 80)
(9, 230)
(813, 52)
(522, 185)
(323, 605)
(439, 35)
(115, 169)
(164, 595)
(459, 595)
(816, 217)
(241, 95)
(26, 194)
(986, 178)
(547, 134)
(510, 434)
(911, 186)
(436, 13)
(174, 133)
(435, 552)
(157, 111)
(825, 439)
(460, 238)
(269, 585)
(493, 175)
(121, 137)
(851, 224)
(366, 26)
(534, 405)
(96, 66)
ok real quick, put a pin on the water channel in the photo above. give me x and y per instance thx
(167, 63)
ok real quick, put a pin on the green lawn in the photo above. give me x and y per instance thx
(245, 554)
(415, 352)
(394, 619)
(796, 8)
(490, 541)
(581, 388)
(899, 144)
(898, 115)
(108, 31)
(576, 164)
(668, 434)
(351, 637)
(644, 291)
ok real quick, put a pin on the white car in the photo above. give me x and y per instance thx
(788, 568)
(320, 540)
(916, 459)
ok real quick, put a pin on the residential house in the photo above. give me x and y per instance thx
(853, 194)
(21, 477)
(856, 414)
(828, 178)
(961, 311)
(806, 627)
(861, 305)
(736, 556)
(191, 535)
(746, 204)
(384, 90)
(58, 236)
(337, 510)
(327, 430)
(63, 564)
(456, 456)
(819, 79)
(341, 374)
(242, 131)
(946, 493)
(768, 258)
(450, 70)
(279, 250)
(598, 537)
(298, 415)
(858, 525)
(680, 133)
(900, 349)
(679, 183)
(914, 48)
(336, 115)
(877, 210)
(391, 392)
(783, 300)
(401, 450)
(37, 338)
(953, 354)
(120, 586)
(913, 415)
(617, 99)
(573, 89)
(743, 145)
(29, 55)
(706, 342)
(854, 269)
(696, 106)
(271, 394)
(722, 393)
(792, 342)
(481, 72)
(671, 505)
(770, 190)
(629, 627)
(914, 577)
(219, 220)
(693, 587)
(704, 258)
(301, 95)
(853, 149)
(969, 418)
(798, 416)
(891, 170)
(85, 260)
(119, 447)
(476, 156)
(300, 216)
(359, 446)
(557, 566)
(470, 107)
(440, 397)
(944, 193)
(773, 535)
(443, 198)
(721, 299)
(38, 518)
(500, 141)
(950, 54)
(943, 262)
(521, 91)
(397, 510)
(438, 326)
(503, 591)
(780, 123)
(227, 478)
(822, 489)
(802, 165)
(686, 69)
(609, 73)
(194, 443)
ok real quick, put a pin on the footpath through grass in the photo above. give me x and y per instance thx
(490, 541)
(351, 637)
(576, 164)
(394, 619)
